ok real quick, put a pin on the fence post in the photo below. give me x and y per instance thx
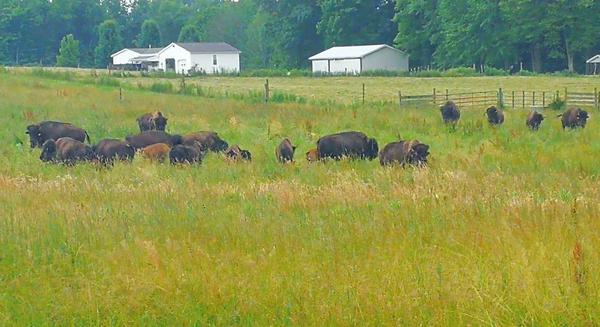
(120, 93)
(434, 99)
(596, 98)
(543, 100)
(399, 99)
(267, 90)
(533, 99)
(446, 94)
(566, 98)
(363, 94)
(523, 99)
(513, 99)
(557, 95)
(500, 98)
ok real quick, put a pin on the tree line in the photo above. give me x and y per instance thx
(538, 35)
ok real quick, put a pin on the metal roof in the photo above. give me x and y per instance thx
(141, 51)
(594, 60)
(350, 52)
(208, 47)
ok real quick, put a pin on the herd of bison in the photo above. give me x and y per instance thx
(65, 143)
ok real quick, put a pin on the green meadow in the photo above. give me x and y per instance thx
(502, 228)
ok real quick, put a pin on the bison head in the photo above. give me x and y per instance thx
(219, 145)
(160, 122)
(582, 117)
(246, 155)
(48, 151)
(372, 149)
(35, 135)
(418, 153)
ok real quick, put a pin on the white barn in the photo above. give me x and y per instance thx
(127, 55)
(209, 58)
(357, 59)
(592, 66)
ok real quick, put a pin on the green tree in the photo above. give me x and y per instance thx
(189, 33)
(150, 35)
(109, 42)
(418, 29)
(68, 54)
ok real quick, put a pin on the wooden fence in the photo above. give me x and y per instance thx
(507, 99)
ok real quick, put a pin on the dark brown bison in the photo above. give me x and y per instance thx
(450, 112)
(312, 155)
(534, 119)
(209, 140)
(574, 118)
(285, 151)
(52, 130)
(186, 154)
(156, 152)
(154, 121)
(354, 145)
(404, 153)
(109, 150)
(147, 138)
(495, 116)
(235, 153)
(66, 150)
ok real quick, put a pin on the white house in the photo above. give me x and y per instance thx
(592, 66)
(209, 58)
(357, 59)
(126, 56)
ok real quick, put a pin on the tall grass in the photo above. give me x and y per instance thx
(501, 229)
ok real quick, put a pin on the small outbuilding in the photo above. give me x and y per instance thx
(134, 57)
(592, 66)
(358, 59)
(200, 57)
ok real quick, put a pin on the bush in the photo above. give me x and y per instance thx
(492, 71)
(107, 81)
(525, 72)
(55, 75)
(565, 73)
(557, 104)
(427, 73)
(460, 72)
(161, 87)
(275, 72)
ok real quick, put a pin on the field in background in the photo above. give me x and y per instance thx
(502, 228)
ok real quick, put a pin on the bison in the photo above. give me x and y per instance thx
(156, 152)
(450, 112)
(354, 145)
(574, 118)
(209, 140)
(154, 121)
(534, 119)
(495, 116)
(285, 151)
(186, 154)
(147, 138)
(53, 130)
(109, 150)
(66, 150)
(404, 153)
(235, 153)
(312, 155)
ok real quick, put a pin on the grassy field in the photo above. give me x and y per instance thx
(500, 229)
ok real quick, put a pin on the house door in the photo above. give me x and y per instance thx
(170, 65)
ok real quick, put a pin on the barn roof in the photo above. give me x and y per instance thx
(350, 52)
(594, 60)
(141, 51)
(208, 47)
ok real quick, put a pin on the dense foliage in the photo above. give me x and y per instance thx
(541, 35)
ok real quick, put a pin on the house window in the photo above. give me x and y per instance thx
(215, 60)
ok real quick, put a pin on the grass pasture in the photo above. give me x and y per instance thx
(501, 229)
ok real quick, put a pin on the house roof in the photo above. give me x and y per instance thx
(141, 51)
(208, 47)
(351, 52)
(594, 60)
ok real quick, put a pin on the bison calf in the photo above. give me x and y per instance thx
(312, 155)
(285, 151)
(154, 121)
(404, 153)
(66, 150)
(574, 118)
(235, 153)
(156, 152)
(52, 130)
(354, 145)
(186, 154)
(109, 150)
(450, 112)
(495, 116)
(534, 119)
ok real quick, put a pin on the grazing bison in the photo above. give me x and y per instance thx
(109, 150)
(186, 154)
(147, 138)
(235, 153)
(355, 145)
(285, 151)
(312, 155)
(404, 153)
(52, 130)
(66, 150)
(450, 112)
(573, 118)
(156, 152)
(534, 119)
(152, 122)
(495, 116)
(208, 140)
